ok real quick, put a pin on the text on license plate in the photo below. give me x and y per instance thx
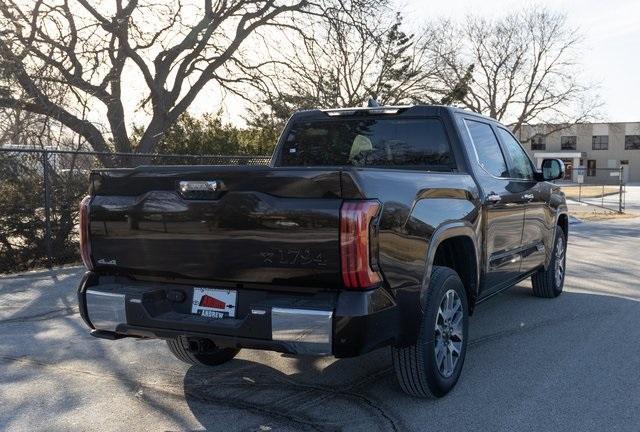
(214, 303)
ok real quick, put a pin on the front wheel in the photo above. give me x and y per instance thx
(549, 283)
(432, 365)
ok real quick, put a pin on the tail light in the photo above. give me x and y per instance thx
(85, 244)
(355, 250)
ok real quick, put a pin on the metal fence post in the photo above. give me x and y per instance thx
(47, 207)
(579, 192)
(620, 197)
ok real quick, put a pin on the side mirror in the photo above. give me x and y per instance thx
(552, 169)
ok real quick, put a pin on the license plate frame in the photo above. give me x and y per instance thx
(214, 302)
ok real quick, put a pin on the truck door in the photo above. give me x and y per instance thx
(536, 214)
(503, 209)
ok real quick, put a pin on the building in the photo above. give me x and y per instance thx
(597, 149)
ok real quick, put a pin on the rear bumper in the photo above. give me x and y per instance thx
(343, 324)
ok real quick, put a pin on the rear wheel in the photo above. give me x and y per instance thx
(432, 365)
(200, 351)
(549, 283)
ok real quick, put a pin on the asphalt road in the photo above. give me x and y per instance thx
(570, 364)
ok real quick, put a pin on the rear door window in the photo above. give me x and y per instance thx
(368, 142)
(487, 148)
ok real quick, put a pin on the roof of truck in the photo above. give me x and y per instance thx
(392, 109)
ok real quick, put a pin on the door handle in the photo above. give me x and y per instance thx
(494, 198)
(527, 197)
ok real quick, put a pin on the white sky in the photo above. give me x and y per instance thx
(611, 31)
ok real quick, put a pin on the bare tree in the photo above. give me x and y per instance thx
(523, 67)
(347, 59)
(96, 49)
(24, 128)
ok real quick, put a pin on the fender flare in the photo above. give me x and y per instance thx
(443, 232)
(561, 212)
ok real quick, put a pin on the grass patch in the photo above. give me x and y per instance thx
(601, 214)
(573, 192)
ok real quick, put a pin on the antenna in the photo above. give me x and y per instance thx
(372, 103)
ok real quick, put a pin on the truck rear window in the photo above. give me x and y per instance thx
(368, 142)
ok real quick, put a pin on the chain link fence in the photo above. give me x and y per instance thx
(40, 190)
(599, 187)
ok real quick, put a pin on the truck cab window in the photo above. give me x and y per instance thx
(487, 148)
(369, 142)
(520, 164)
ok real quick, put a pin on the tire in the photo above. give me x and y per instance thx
(204, 352)
(418, 370)
(549, 283)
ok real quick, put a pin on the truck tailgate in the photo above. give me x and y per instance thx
(253, 225)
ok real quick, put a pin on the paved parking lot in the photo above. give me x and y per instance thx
(533, 364)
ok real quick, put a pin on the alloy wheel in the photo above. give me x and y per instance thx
(449, 333)
(559, 270)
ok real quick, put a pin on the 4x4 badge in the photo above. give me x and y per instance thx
(198, 186)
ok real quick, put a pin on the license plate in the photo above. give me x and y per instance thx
(214, 303)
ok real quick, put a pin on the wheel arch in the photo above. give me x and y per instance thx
(448, 243)
(562, 221)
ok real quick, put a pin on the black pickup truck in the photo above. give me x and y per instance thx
(371, 227)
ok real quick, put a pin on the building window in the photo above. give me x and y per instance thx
(632, 142)
(538, 143)
(591, 168)
(600, 142)
(568, 142)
